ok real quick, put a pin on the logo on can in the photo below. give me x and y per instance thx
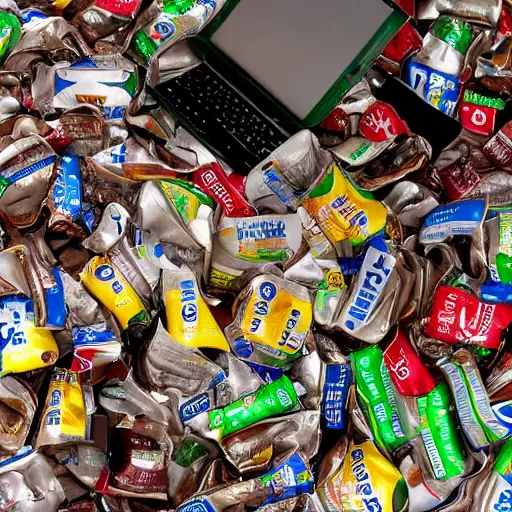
(189, 312)
(105, 273)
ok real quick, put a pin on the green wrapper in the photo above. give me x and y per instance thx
(503, 462)
(146, 41)
(10, 32)
(143, 46)
(438, 429)
(483, 100)
(376, 395)
(187, 452)
(453, 31)
(273, 399)
(178, 6)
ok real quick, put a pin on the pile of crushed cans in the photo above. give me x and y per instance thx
(329, 333)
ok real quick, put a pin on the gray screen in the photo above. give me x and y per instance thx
(297, 49)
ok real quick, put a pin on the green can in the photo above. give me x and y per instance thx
(438, 428)
(378, 398)
(273, 399)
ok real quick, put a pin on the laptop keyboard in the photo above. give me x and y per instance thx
(240, 133)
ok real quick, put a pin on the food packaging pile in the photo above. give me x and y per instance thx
(330, 332)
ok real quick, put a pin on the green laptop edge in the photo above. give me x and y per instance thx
(202, 46)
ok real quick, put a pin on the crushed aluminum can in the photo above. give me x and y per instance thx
(485, 12)
(272, 319)
(381, 290)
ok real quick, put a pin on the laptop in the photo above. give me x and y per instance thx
(270, 68)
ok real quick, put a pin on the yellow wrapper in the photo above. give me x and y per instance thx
(365, 481)
(189, 319)
(65, 406)
(61, 4)
(342, 211)
(276, 318)
(38, 350)
(103, 280)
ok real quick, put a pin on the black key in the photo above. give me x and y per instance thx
(239, 132)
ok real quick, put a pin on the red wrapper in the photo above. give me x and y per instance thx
(477, 118)
(499, 148)
(459, 179)
(144, 467)
(126, 8)
(381, 122)
(406, 41)
(336, 121)
(456, 316)
(409, 375)
(212, 180)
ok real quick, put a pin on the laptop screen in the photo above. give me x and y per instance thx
(297, 49)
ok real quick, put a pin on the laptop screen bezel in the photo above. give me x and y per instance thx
(352, 74)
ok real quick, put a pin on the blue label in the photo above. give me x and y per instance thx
(281, 188)
(28, 15)
(255, 323)
(17, 309)
(220, 377)
(284, 480)
(20, 454)
(67, 191)
(89, 336)
(459, 218)
(55, 303)
(114, 113)
(503, 413)
(249, 229)
(198, 505)
(338, 380)
(351, 266)
(117, 287)
(88, 216)
(268, 290)
(267, 373)
(195, 406)
(105, 273)
(163, 30)
(209, 6)
(435, 87)
(243, 347)
(31, 169)
(119, 154)
(55, 398)
(504, 503)
(370, 283)
(494, 292)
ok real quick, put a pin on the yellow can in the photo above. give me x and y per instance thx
(104, 281)
(189, 320)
